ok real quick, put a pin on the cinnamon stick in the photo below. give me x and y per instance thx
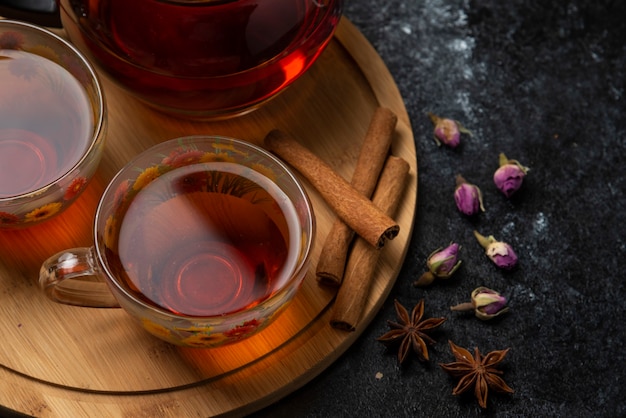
(354, 291)
(376, 144)
(357, 211)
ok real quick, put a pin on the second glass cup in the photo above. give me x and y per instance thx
(53, 124)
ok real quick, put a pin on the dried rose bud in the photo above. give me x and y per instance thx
(442, 263)
(486, 304)
(509, 176)
(447, 131)
(468, 197)
(499, 252)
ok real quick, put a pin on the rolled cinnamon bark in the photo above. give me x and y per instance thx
(374, 151)
(357, 211)
(354, 291)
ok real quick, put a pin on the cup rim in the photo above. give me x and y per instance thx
(298, 268)
(99, 108)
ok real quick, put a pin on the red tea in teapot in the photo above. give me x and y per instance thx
(202, 57)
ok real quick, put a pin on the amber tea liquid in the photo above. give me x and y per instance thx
(165, 51)
(45, 122)
(207, 239)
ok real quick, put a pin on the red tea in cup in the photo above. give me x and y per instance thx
(202, 58)
(45, 122)
(205, 239)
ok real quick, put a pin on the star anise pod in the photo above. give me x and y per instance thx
(410, 332)
(477, 371)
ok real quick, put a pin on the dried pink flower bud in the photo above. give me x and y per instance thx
(447, 131)
(509, 176)
(442, 263)
(468, 197)
(486, 304)
(499, 252)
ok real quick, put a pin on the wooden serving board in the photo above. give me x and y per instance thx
(58, 360)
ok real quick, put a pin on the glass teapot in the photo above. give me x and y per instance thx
(201, 58)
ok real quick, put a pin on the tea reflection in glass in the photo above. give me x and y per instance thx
(203, 58)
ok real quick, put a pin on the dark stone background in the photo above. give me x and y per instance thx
(543, 82)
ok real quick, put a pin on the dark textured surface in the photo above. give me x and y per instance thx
(543, 82)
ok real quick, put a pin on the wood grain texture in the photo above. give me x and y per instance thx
(62, 360)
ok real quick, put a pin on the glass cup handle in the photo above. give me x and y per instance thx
(72, 277)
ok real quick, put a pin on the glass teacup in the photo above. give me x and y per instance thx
(204, 240)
